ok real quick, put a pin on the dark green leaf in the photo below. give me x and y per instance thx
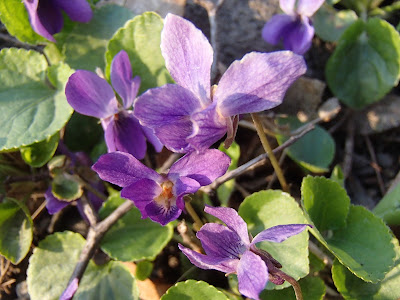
(193, 290)
(314, 151)
(66, 187)
(313, 288)
(141, 38)
(15, 230)
(38, 154)
(366, 63)
(133, 238)
(53, 262)
(330, 23)
(30, 109)
(389, 207)
(353, 288)
(326, 202)
(84, 46)
(143, 269)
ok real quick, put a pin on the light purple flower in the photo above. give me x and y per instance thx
(294, 27)
(230, 249)
(192, 115)
(160, 196)
(46, 17)
(91, 95)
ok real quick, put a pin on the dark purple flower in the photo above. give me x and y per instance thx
(230, 250)
(91, 95)
(160, 196)
(46, 17)
(192, 115)
(294, 27)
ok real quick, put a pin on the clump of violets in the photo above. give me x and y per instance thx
(230, 249)
(160, 196)
(46, 16)
(192, 115)
(91, 95)
(294, 27)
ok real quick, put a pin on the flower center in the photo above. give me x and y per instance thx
(166, 197)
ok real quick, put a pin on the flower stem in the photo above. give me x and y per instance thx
(268, 150)
(197, 221)
(293, 282)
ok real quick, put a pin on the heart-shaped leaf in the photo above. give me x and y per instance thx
(38, 154)
(193, 290)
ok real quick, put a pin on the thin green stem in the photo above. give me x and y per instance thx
(197, 221)
(268, 150)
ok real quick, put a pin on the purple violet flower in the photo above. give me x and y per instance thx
(230, 249)
(46, 17)
(91, 95)
(160, 196)
(294, 27)
(192, 115)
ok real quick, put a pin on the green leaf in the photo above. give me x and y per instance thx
(326, 203)
(38, 154)
(313, 288)
(66, 187)
(265, 209)
(389, 207)
(337, 175)
(30, 109)
(53, 262)
(14, 16)
(314, 151)
(330, 23)
(193, 290)
(84, 46)
(353, 288)
(141, 38)
(225, 191)
(15, 230)
(133, 238)
(143, 269)
(82, 133)
(366, 63)
(363, 244)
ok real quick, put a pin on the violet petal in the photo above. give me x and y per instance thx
(299, 37)
(209, 262)
(257, 82)
(77, 10)
(162, 214)
(46, 19)
(185, 185)
(277, 28)
(123, 169)
(121, 78)
(53, 204)
(279, 233)
(166, 110)
(232, 219)
(142, 193)
(108, 125)
(203, 167)
(152, 138)
(288, 6)
(90, 95)
(128, 135)
(252, 275)
(188, 56)
(208, 128)
(308, 7)
(220, 241)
